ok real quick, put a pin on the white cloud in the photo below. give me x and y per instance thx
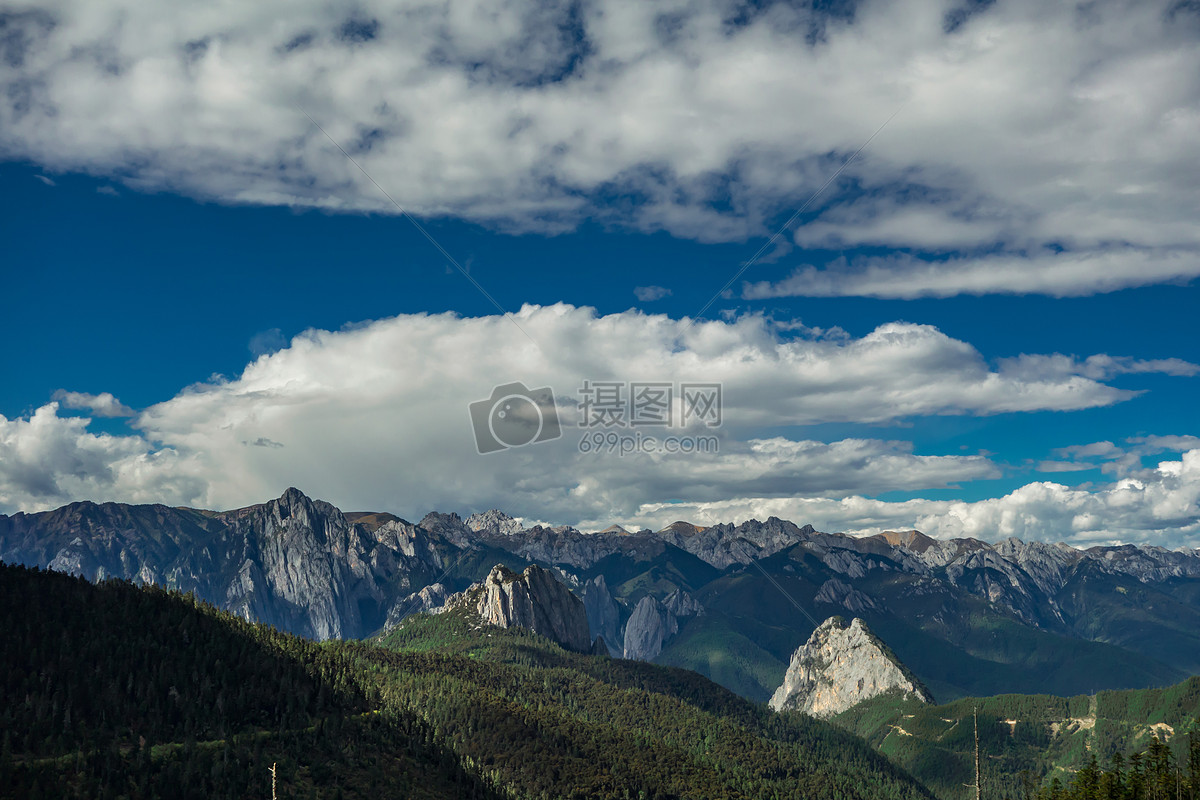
(47, 460)
(1063, 274)
(1122, 462)
(45, 180)
(101, 405)
(377, 417)
(1098, 367)
(648, 294)
(1161, 506)
(1026, 126)
(1063, 466)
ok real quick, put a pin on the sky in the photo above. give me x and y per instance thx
(939, 257)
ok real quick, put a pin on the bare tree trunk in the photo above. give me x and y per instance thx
(978, 787)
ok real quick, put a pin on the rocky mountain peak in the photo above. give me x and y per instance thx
(913, 540)
(841, 665)
(494, 523)
(603, 613)
(650, 625)
(449, 526)
(683, 528)
(533, 599)
(293, 496)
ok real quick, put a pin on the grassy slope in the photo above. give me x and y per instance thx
(713, 645)
(1044, 734)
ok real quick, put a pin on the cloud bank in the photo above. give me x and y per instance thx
(376, 417)
(1041, 147)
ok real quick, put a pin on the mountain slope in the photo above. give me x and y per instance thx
(1043, 735)
(683, 735)
(113, 690)
(116, 690)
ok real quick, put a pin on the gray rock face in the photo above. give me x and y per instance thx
(839, 667)
(682, 604)
(293, 562)
(535, 600)
(648, 629)
(842, 594)
(494, 523)
(449, 526)
(603, 613)
(723, 545)
(431, 599)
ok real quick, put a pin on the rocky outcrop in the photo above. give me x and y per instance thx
(431, 599)
(840, 593)
(450, 527)
(494, 523)
(648, 629)
(534, 600)
(840, 666)
(603, 613)
(682, 604)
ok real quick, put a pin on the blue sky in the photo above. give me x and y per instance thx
(993, 219)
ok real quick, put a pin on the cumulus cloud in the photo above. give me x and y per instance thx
(100, 405)
(47, 460)
(377, 417)
(1025, 125)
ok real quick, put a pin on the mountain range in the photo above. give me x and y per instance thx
(730, 601)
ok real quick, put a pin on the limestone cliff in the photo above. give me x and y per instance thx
(603, 613)
(840, 666)
(535, 600)
(648, 629)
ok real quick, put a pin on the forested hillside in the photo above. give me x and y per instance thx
(113, 690)
(1148, 775)
(1028, 741)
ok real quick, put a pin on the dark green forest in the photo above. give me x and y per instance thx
(1027, 740)
(1153, 774)
(120, 691)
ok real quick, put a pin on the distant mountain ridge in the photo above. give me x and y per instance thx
(966, 615)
